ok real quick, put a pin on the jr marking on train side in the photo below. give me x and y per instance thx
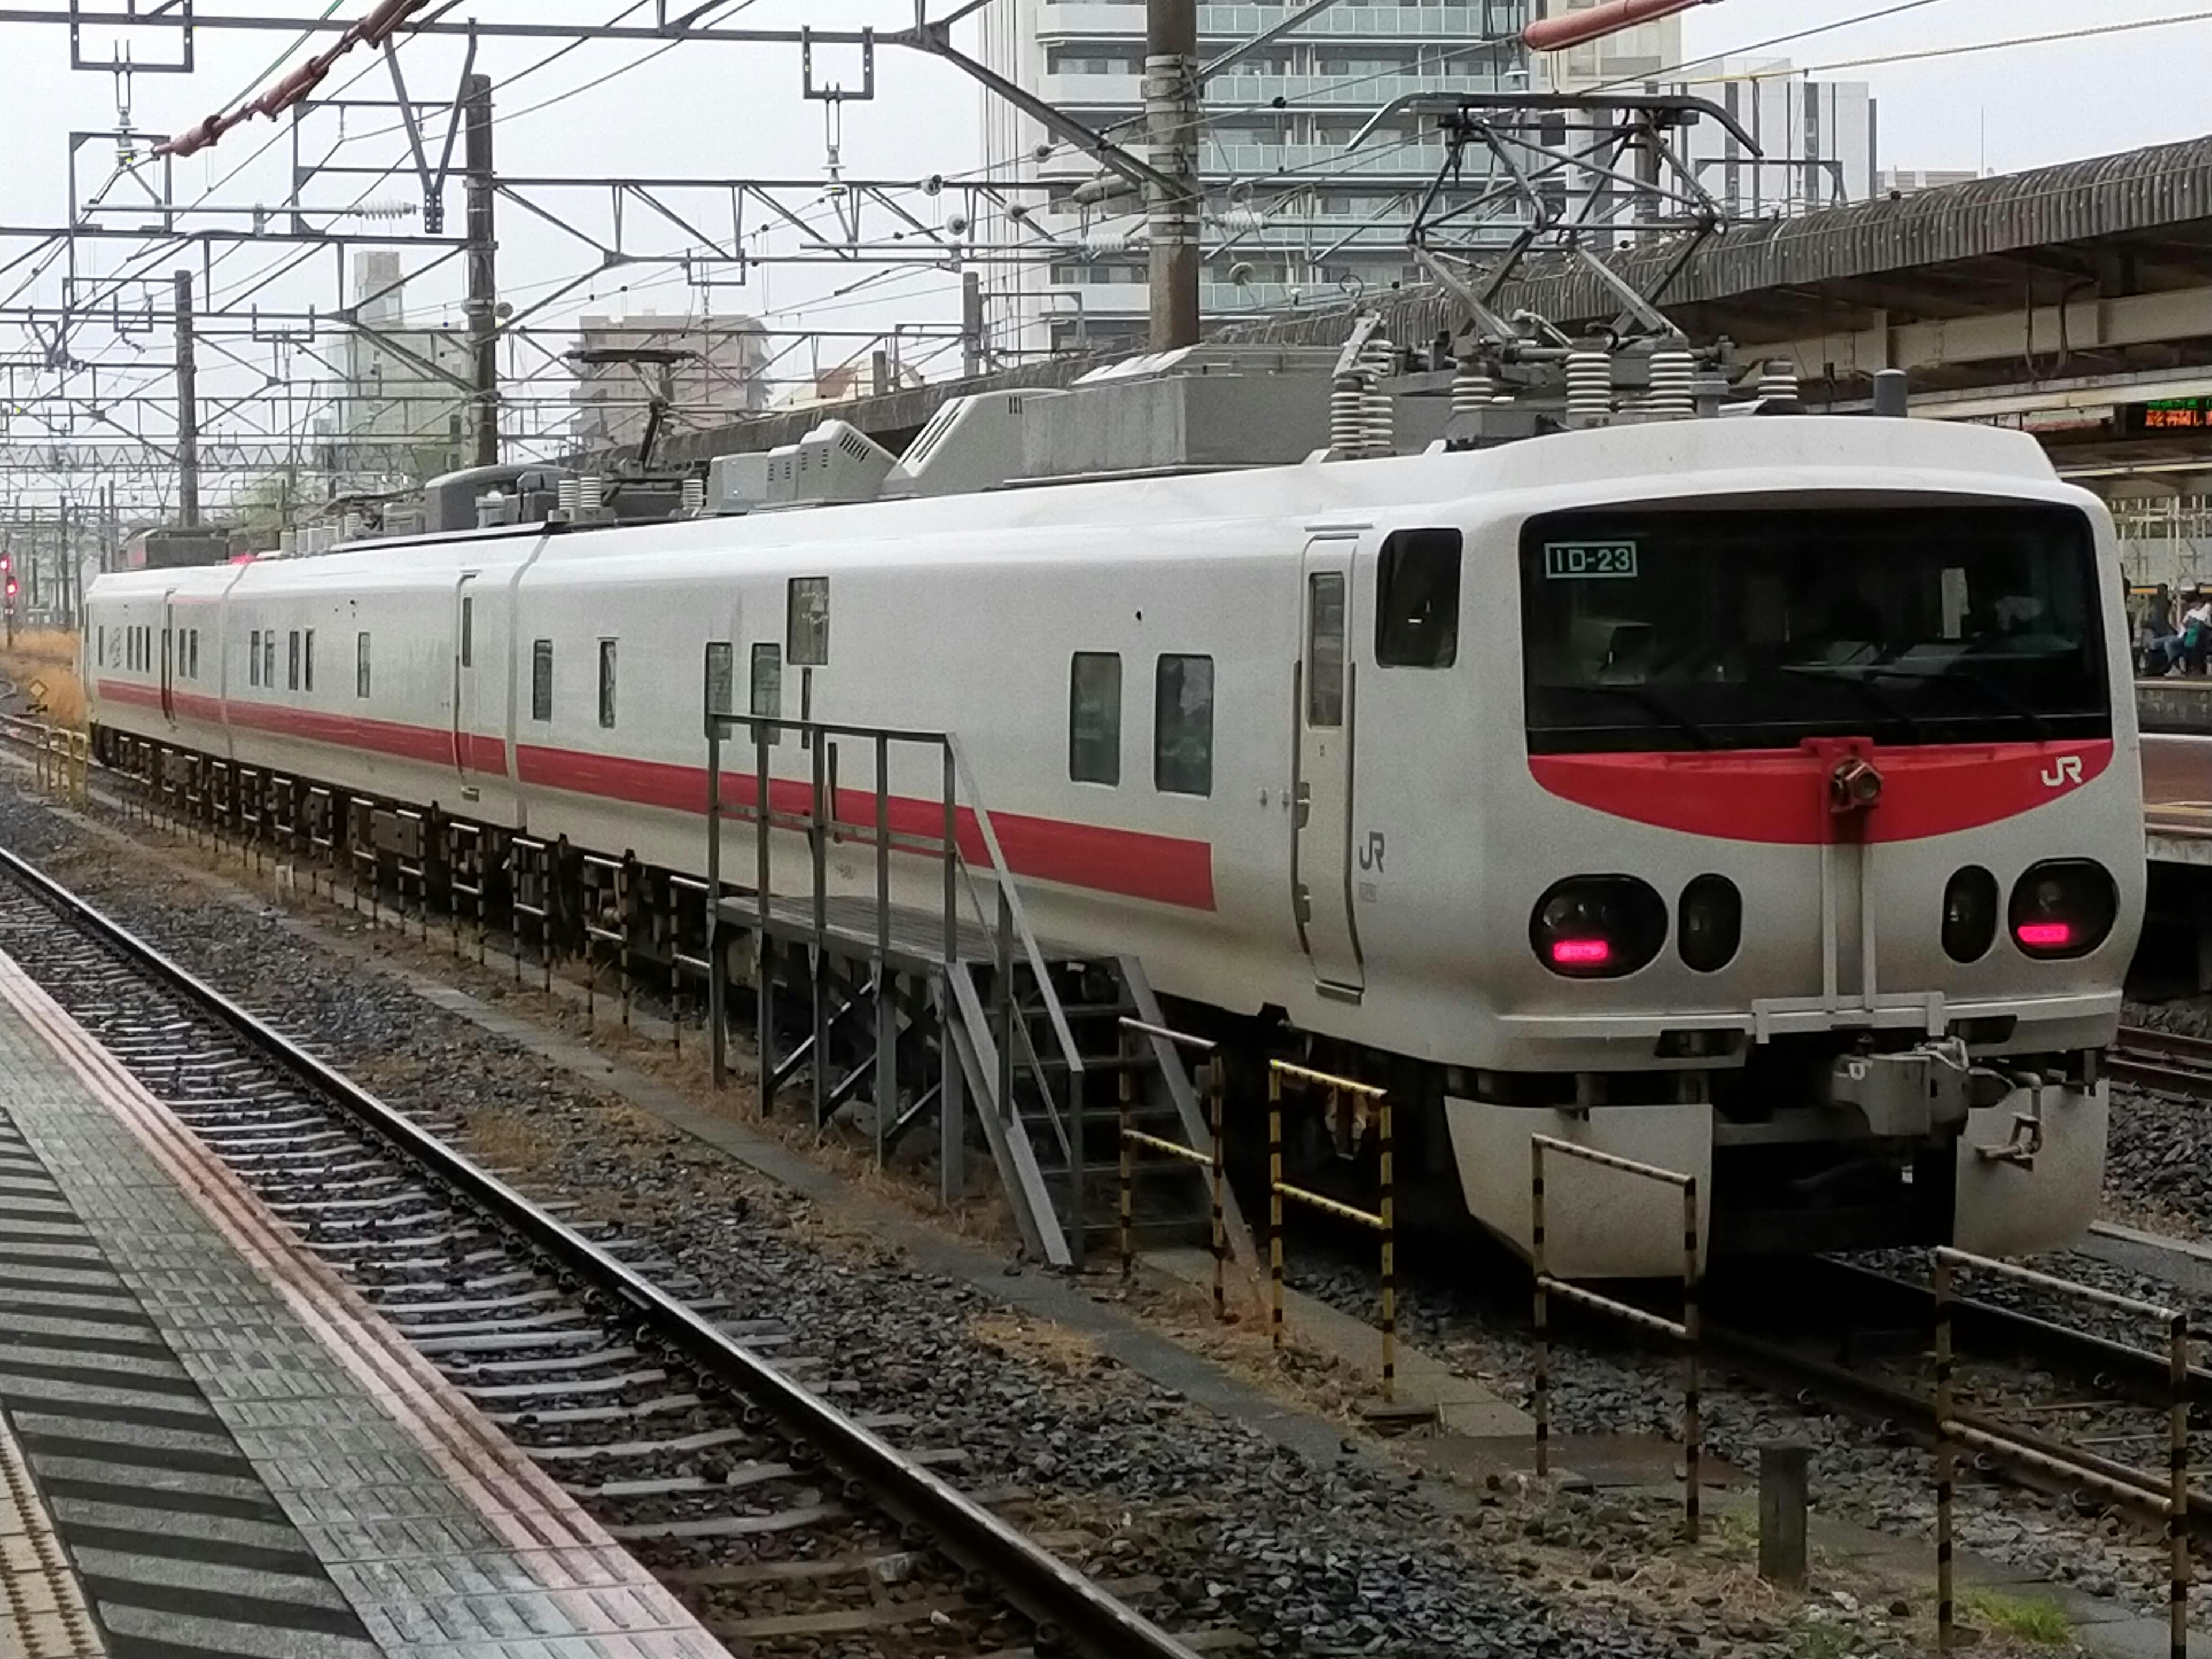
(2066, 769)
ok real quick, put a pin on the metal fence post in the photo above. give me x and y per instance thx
(1390, 1212)
(1692, 1424)
(2177, 1511)
(1128, 1154)
(1275, 1207)
(1221, 1178)
(1940, 1281)
(1542, 1314)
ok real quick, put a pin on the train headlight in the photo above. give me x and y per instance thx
(1709, 923)
(2062, 907)
(1970, 914)
(1597, 927)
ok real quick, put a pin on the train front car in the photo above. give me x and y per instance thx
(1813, 850)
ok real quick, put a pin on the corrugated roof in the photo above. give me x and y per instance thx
(2163, 187)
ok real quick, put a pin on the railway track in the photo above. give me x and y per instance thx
(1875, 1306)
(2165, 1060)
(698, 1435)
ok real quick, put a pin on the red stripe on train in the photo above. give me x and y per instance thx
(1781, 795)
(416, 743)
(1166, 869)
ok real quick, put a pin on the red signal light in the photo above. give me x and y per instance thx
(1581, 953)
(2047, 934)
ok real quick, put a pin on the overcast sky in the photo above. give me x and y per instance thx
(727, 110)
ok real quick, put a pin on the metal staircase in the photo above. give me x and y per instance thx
(921, 1011)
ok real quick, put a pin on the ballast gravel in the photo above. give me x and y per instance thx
(1305, 1557)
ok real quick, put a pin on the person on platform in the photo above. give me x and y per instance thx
(2158, 642)
(2196, 630)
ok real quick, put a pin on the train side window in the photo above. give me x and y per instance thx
(721, 678)
(292, 660)
(1183, 726)
(607, 682)
(468, 631)
(99, 647)
(1417, 600)
(809, 622)
(307, 657)
(253, 658)
(768, 690)
(361, 665)
(1094, 717)
(1324, 649)
(541, 680)
(269, 661)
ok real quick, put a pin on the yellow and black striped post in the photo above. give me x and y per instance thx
(1221, 1178)
(1389, 1182)
(1941, 1285)
(1275, 1207)
(1692, 1422)
(1542, 1313)
(2177, 1502)
(1128, 1160)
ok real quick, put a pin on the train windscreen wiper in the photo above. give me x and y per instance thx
(1653, 703)
(1991, 691)
(1855, 676)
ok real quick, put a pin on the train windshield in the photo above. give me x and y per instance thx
(1755, 628)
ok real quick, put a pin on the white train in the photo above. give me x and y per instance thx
(1758, 798)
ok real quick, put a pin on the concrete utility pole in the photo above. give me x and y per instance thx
(1171, 107)
(971, 323)
(188, 410)
(483, 273)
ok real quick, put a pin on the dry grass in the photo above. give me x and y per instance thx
(48, 657)
(1042, 1342)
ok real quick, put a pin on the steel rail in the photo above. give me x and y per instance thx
(1059, 1600)
(2124, 1372)
(2172, 1060)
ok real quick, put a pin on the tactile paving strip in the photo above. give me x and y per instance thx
(178, 1545)
(445, 1540)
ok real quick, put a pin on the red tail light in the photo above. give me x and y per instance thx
(1597, 927)
(2062, 907)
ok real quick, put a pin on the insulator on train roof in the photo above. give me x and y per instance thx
(1589, 384)
(1674, 375)
(1473, 387)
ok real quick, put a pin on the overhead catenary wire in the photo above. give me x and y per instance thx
(1965, 48)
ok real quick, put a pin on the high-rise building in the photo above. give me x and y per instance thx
(1293, 216)
(721, 372)
(395, 393)
(1911, 181)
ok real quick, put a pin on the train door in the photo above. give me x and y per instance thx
(169, 656)
(1321, 857)
(465, 697)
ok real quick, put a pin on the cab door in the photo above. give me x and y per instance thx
(1325, 717)
(169, 656)
(465, 693)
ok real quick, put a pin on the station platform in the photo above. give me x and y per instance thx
(211, 1445)
(2175, 716)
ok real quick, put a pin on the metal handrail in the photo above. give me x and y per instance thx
(764, 816)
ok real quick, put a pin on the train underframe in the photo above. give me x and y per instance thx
(1783, 1167)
